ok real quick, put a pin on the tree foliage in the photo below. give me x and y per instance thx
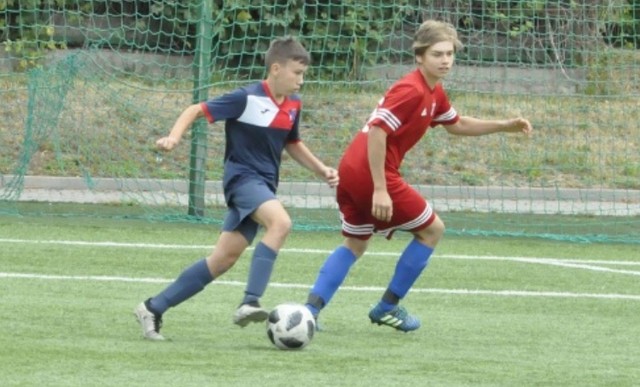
(345, 34)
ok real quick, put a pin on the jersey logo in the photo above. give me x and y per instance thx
(264, 111)
(424, 112)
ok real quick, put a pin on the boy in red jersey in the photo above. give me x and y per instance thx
(380, 201)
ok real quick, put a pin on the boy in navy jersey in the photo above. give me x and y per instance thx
(375, 198)
(261, 120)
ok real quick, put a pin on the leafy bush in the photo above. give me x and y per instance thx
(622, 28)
(25, 33)
(343, 35)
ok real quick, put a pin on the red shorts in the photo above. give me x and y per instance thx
(411, 212)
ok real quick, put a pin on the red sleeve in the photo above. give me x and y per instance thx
(445, 114)
(399, 102)
(207, 114)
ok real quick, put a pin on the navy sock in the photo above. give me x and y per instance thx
(412, 262)
(259, 273)
(192, 280)
(331, 275)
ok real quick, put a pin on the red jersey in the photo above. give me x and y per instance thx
(407, 110)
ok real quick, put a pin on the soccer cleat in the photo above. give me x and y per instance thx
(149, 321)
(314, 313)
(319, 327)
(397, 318)
(248, 313)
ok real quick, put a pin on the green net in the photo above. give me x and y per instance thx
(88, 86)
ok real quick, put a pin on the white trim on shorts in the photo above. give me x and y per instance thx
(368, 229)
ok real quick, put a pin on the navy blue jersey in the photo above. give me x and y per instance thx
(256, 131)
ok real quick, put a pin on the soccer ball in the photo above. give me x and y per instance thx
(290, 326)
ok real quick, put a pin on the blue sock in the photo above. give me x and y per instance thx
(412, 262)
(331, 275)
(192, 280)
(259, 273)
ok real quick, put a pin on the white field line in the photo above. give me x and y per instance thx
(318, 251)
(475, 292)
(569, 263)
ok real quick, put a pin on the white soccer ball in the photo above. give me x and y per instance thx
(290, 326)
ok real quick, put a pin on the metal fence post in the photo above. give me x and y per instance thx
(198, 155)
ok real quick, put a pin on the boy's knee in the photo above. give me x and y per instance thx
(438, 228)
(357, 246)
(281, 226)
(432, 234)
(285, 225)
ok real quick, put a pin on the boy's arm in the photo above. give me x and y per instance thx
(382, 206)
(301, 154)
(470, 126)
(182, 124)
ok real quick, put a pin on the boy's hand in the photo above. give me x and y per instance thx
(167, 143)
(331, 177)
(519, 125)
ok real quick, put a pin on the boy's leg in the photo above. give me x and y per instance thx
(260, 271)
(229, 248)
(412, 262)
(413, 210)
(331, 275)
(409, 267)
(338, 264)
(272, 215)
(190, 282)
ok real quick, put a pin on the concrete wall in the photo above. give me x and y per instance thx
(487, 78)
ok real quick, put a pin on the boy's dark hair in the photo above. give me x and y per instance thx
(284, 49)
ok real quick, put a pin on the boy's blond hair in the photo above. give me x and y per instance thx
(431, 32)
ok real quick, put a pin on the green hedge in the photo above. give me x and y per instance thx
(343, 35)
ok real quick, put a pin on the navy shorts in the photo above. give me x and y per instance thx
(243, 198)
